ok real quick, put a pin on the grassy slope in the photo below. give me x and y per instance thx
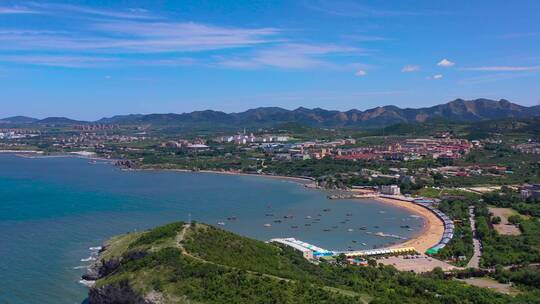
(221, 267)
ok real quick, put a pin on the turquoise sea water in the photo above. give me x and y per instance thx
(53, 209)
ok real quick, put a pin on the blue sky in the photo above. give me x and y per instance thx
(89, 59)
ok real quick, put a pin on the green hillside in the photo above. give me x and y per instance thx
(179, 263)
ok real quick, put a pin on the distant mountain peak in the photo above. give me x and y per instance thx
(18, 120)
(456, 110)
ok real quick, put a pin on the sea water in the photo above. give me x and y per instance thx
(54, 212)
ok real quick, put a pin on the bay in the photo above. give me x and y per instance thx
(52, 210)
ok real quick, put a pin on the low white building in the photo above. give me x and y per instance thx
(390, 190)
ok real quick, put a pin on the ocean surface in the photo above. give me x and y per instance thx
(52, 210)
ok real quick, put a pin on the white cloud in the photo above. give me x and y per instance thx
(134, 36)
(347, 8)
(81, 11)
(13, 10)
(445, 63)
(437, 76)
(67, 61)
(410, 68)
(502, 68)
(291, 56)
(110, 34)
(360, 73)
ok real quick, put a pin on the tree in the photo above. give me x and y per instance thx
(514, 219)
(341, 258)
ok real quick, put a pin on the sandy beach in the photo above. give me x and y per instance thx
(432, 231)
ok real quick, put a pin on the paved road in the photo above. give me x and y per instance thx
(475, 260)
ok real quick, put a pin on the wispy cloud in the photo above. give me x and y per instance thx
(410, 68)
(82, 11)
(16, 10)
(364, 38)
(110, 36)
(58, 60)
(495, 77)
(502, 68)
(349, 8)
(519, 35)
(150, 37)
(445, 63)
(291, 56)
(436, 77)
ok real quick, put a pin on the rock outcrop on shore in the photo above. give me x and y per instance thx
(120, 293)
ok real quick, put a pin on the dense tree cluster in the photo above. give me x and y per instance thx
(500, 249)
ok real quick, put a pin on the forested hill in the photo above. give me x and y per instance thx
(458, 110)
(196, 263)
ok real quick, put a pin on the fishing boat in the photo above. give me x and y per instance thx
(267, 225)
(350, 230)
(326, 210)
(221, 223)
(277, 221)
(363, 228)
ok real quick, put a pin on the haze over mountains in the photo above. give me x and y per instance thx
(457, 110)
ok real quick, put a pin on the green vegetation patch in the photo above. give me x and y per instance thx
(158, 235)
(508, 249)
(221, 267)
(226, 248)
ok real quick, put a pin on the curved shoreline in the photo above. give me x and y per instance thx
(431, 232)
(301, 180)
(427, 237)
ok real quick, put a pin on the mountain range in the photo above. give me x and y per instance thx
(456, 110)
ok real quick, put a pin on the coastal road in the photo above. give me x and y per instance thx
(474, 262)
